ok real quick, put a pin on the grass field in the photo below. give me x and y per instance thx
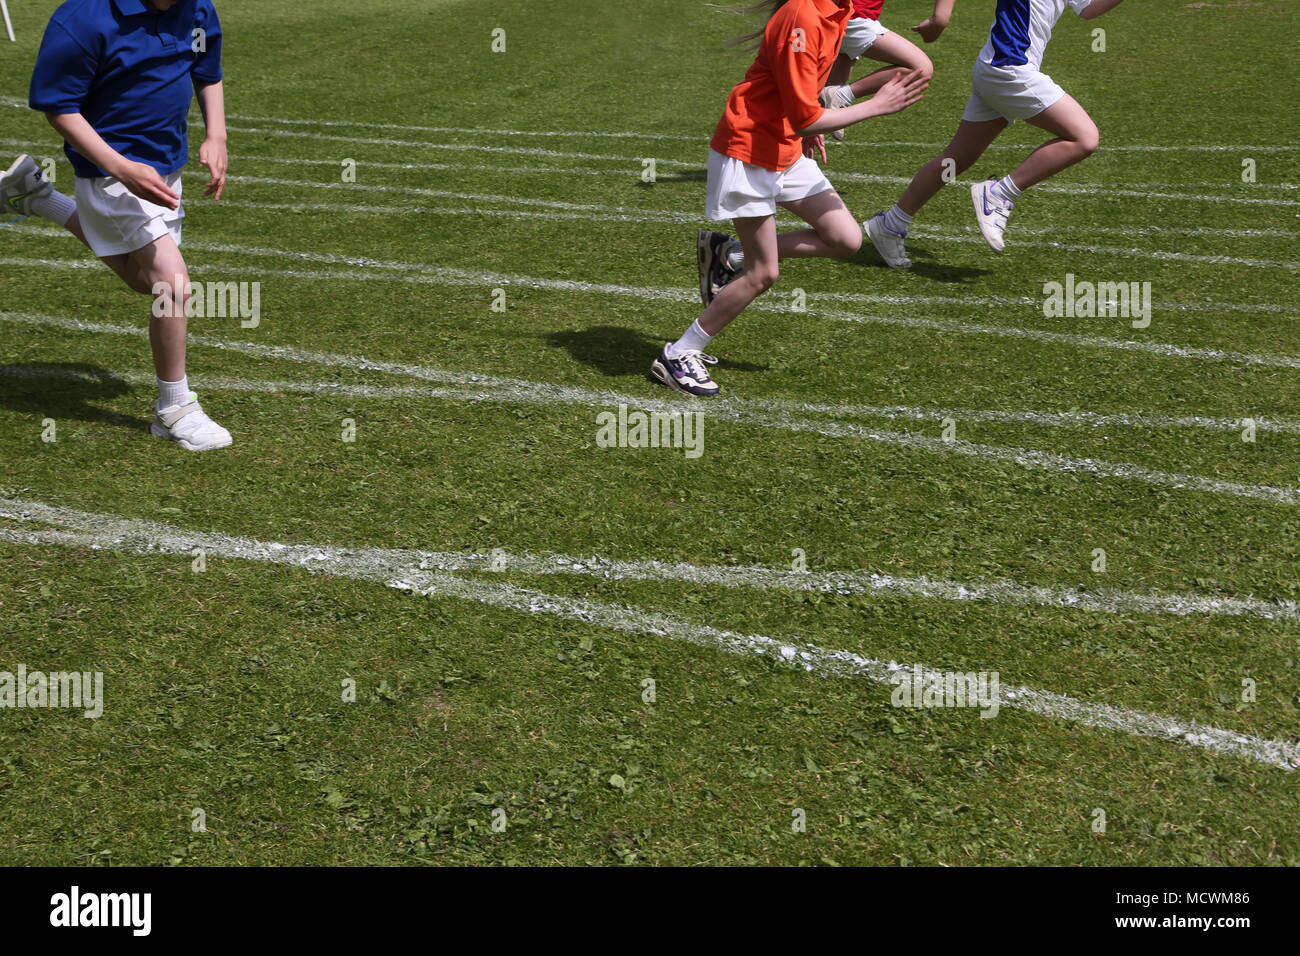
(500, 589)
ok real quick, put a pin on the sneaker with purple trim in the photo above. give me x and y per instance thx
(887, 242)
(711, 250)
(991, 212)
(685, 373)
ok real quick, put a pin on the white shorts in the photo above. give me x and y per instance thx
(1009, 92)
(117, 221)
(862, 32)
(739, 190)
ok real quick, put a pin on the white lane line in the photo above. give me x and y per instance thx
(107, 532)
(703, 136)
(466, 393)
(600, 212)
(525, 391)
(678, 164)
(418, 273)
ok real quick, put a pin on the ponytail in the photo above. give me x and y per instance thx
(751, 41)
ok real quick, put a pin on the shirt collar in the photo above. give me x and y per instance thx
(131, 8)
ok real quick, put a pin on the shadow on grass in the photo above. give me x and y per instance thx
(64, 390)
(868, 258)
(614, 350)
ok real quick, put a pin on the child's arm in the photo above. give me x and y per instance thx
(142, 179)
(1097, 8)
(898, 94)
(212, 154)
(931, 27)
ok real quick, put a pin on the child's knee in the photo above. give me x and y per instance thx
(1089, 140)
(844, 241)
(924, 65)
(763, 276)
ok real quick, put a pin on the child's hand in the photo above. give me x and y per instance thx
(930, 28)
(212, 154)
(812, 145)
(143, 181)
(902, 90)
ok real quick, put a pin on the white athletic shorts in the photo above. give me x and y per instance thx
(1010, 92)
(116, 221)
(862, 32)
(739, 190)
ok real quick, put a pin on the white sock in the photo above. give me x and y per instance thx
(897, 221)
(173, 393)
(734, 257)
(55, 207)
(1007, 189)
(694, 340)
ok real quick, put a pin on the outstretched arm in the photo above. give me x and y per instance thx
(896, 95)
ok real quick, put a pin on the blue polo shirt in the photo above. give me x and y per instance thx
(130, 72)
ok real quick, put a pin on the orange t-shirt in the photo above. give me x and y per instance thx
(779, 93)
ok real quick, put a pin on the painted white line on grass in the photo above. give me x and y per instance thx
(667, 163)
(601, 213)
(107, 532)
(703, 137)
(536, 392)
(468, 393)
(442, 275)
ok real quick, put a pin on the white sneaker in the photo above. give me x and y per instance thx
(887, 242)
(836, 98)
(189, 427)
(991, 212)
(22, 183)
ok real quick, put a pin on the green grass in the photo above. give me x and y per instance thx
(223, 689)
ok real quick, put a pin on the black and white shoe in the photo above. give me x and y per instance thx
(685, 373)
(711, 250)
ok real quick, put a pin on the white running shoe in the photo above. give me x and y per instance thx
(991, 212)
(887, 242)
(836, 98)
(22, 183)
(188, 426)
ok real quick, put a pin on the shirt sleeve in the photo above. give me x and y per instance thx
(63, 74)
(795, 69)
(207, 67)
(1079, 5)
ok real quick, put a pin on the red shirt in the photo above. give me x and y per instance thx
(867, 8)
(779, 93)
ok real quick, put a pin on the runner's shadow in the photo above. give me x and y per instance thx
(63, 390)
(923, 265)
(614, 351)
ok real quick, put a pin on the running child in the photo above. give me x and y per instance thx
(115, 78)
(866, 36)
(1007, 84)
(761, 158)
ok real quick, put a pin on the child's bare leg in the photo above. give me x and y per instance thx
(1077, 139)
(969, 143)
(835, 234)
(161, 264)
(902, 53)
(758, 237)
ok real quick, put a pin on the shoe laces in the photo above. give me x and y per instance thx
(693, 360)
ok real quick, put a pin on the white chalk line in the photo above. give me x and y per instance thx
(632, 213)
(703, 136)
(1094, 192)
(441, 275)
(726, 410)
(464, 393)
(111, 533)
